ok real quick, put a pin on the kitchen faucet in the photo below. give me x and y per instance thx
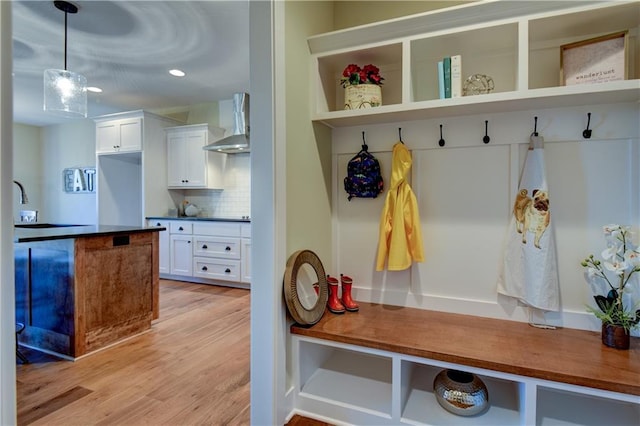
(23, 194)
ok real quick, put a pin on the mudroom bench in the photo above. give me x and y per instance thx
(377, 366)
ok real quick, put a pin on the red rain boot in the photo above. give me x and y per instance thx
(333, 303)
(347, 301)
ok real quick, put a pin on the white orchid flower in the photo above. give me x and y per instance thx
(617, 267)
(610, 252)
(610, 229)
(632, 257)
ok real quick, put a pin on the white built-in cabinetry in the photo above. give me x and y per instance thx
(518, 45)
(210, 252)
(520, 51)
(358, 385)
(188, 165)
(216, 251)
(130, 185)
(118, 135)
(180, 248)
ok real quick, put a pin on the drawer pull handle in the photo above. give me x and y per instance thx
(204, 268)
(158, 224)
(227, 271)
(181, 229)
(228, 248)
(188, 242)
(204, 247)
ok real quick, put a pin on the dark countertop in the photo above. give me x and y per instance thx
(23, 235)
(206, 219)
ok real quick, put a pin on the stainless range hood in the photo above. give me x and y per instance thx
(238, 141)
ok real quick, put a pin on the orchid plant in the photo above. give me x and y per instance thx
(354, 75)
(621, 260)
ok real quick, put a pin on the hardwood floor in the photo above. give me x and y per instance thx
(191, 368)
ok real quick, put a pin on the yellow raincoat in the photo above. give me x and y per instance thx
(400, 235)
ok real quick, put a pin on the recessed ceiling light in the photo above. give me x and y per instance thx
(177, 73)
(94, 89)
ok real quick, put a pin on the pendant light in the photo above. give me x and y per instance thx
(65, 92)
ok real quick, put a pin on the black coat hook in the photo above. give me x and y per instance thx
(441, 141)
(535, 127)
(400, 134)
(364, 143)
(486, 138)
(587, 132)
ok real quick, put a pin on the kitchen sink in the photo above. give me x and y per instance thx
(41, 225)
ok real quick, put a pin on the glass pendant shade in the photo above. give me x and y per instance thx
(65, 93)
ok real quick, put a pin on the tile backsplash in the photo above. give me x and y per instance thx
(234, 201)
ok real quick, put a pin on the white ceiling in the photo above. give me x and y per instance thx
(126, 48)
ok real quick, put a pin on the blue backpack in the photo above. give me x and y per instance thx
(363, 178)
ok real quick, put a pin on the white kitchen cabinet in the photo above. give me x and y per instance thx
(188, 165)
(164, 259)
(180, 248)
(129, 184)
(216, 252)
(209, 252)
(220, 247)
(124, 135)
(180, 253)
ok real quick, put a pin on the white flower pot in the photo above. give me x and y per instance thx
(362, 96)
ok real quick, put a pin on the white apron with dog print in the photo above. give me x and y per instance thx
(529, 269)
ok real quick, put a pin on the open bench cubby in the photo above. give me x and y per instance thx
(377, 367)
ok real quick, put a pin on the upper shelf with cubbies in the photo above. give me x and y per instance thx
(520, 52)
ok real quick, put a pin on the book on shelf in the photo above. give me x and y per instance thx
(447, 76)
(456, 76)
(440, 80)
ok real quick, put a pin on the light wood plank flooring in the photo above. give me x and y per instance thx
(192, 368)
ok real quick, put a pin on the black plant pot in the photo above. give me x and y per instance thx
(615, 336)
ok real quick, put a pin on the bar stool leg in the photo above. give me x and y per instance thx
(19, 329)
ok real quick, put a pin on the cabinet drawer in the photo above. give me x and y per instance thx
(180, 227)
(226, 248)
(159, 223)
(217, 269)
(220, 229)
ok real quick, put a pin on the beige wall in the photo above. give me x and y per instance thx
(64, 146)
(308, 149)
(27, 160)
(353, 13)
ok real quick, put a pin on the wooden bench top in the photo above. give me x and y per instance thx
(564, 355)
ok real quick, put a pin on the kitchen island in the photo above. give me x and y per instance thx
(81, 288)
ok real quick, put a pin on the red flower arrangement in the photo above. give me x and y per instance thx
(353, 75)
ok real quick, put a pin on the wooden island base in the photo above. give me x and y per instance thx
(395, 352)
(78, 295)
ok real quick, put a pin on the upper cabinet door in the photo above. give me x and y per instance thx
(175, 159)
(188, 165)
(123, 135)
(107, 137)
(131, 135)
(196, 159)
